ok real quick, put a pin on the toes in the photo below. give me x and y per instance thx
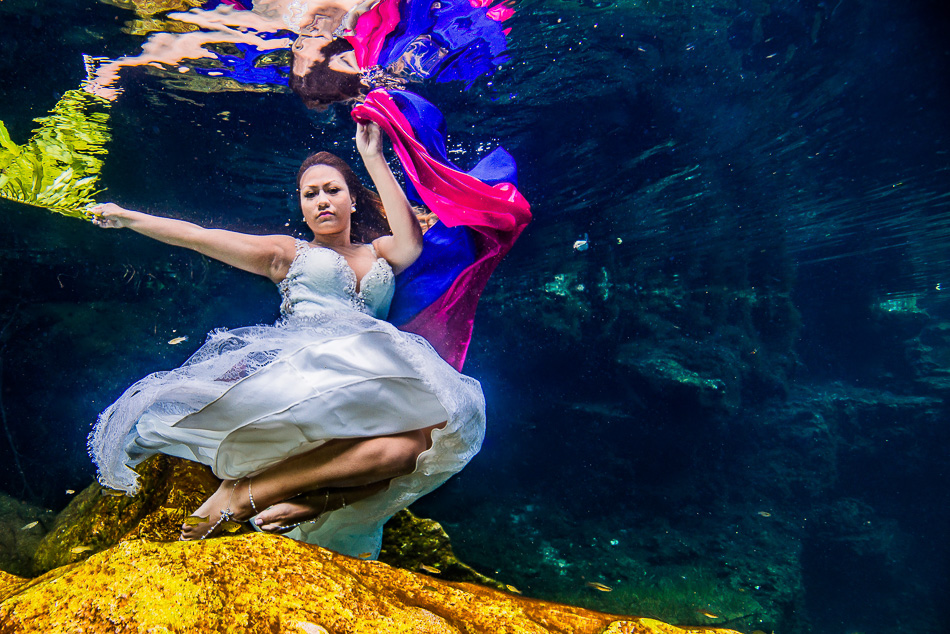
(188, 533)
(273, 527)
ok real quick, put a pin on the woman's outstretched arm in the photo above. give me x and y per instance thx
(404, 246)
(269, 256)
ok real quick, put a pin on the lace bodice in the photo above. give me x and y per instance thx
(320, 279)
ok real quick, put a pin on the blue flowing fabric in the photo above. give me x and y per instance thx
(442, 40)
(445, 40)
(433, 40)
(447, 251)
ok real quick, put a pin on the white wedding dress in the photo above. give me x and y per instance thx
(330, 368)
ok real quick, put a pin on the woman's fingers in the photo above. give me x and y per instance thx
(351, 18)
(369, 137)
(106, 215)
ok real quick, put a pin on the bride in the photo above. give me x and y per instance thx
(327, 423)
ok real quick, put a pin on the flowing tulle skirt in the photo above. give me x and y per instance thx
(252, 397)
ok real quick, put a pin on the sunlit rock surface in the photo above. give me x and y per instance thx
(265, 583)
(98, 519)
(10, 584)
(95, 520)
(112, 564)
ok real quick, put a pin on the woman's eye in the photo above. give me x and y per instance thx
(309, 195)
(333, 190)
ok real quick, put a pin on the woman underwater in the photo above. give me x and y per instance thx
(324, 425)
(332, 401)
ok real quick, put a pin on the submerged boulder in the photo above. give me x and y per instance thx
(22, 527)
(112, 563)
(422, 545)
(265, 583)
(98, 518)
(171, 488)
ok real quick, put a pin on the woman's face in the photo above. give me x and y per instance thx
(325, 200)
(308, 51)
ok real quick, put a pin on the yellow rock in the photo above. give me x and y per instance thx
(153, 7)
(266, 583)
(10, 584)
(171, 489)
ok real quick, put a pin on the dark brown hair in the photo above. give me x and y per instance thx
(368, 222)
(321, 86)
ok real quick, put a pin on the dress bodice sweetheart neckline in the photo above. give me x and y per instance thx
(320, 279)
(357, 280)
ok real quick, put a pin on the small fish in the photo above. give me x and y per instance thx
(231, 527)
(194, 520)
(177, 340)
(432, 570)
(708, 615)
(80, 549)
(599, 586)
(112, 493)
(764, 514)
(511, 588)
(30, 525)
(69, 491)
(430, 588)
(582, 244)
(365, 555)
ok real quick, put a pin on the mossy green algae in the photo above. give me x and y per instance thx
(58, 168)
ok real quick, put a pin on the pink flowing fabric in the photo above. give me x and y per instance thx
(496, 214)
(499, 12)
(371, 31)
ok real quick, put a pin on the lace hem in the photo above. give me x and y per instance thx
(229, 356)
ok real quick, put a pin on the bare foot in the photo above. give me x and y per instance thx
(231, 497)
(290, 513)
(303, 508)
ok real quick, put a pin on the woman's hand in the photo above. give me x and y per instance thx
(369, 139)
(348, 27)
(111, 216)
(269, 256)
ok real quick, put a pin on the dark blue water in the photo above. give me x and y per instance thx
(734, 401)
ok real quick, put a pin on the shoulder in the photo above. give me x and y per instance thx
(399, 256)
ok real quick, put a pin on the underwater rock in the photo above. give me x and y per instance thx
(826, 438)
(22, 527)
(265, 583)
(422, 545)
(10, 584)
(96, 520)
(666, 374)
(929, 357)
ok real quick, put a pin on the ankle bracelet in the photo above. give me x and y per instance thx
(251, 496)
